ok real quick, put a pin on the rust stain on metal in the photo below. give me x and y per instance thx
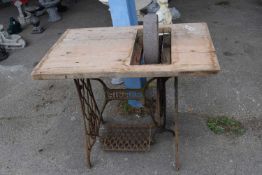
(127, 138)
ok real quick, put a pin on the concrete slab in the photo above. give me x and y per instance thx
(41, 130)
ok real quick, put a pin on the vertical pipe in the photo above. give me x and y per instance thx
(123, 13)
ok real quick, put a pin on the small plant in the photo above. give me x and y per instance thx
(225, 125)
(125, 108)
(223, 3)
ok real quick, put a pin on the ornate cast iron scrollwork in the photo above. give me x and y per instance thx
(93, 116)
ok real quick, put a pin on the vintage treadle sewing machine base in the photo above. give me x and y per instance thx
(93, 117)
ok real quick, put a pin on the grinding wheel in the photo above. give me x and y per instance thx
(151, 39)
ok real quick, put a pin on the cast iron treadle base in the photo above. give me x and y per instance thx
(126, 138)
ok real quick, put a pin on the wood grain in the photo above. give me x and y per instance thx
(107, 52)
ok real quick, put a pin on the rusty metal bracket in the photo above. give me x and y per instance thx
(157, 112)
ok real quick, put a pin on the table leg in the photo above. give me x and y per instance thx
(91, 114)
(163, 101)
(161, 89)
(159, 103)
(176, 125)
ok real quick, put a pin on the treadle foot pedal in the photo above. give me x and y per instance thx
(126, 138)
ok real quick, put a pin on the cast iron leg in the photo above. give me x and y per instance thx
(159, 94)
(161, 84)
(176, 124)
(91, 114)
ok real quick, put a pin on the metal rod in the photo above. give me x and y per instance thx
(163, 82)
(176, 125)
(163, 105)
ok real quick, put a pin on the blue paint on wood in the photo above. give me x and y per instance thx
(123, 13)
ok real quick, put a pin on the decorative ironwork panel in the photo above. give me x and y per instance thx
(127, 138)
(124, 94)
(91, 114)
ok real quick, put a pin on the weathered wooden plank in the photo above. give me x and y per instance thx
(107, 52)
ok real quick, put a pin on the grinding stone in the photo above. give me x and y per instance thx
(151, 39)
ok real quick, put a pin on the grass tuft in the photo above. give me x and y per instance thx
(125, 108)
(225, 125)
(223, 3)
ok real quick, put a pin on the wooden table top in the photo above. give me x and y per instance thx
(107, 51)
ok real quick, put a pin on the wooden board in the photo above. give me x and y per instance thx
(107, 52)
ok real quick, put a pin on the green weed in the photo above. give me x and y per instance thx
(225, 125)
